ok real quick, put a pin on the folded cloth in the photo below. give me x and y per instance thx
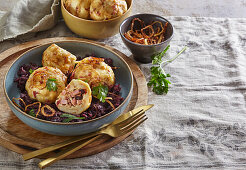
(28, 16)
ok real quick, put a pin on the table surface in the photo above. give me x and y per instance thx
(200, 123)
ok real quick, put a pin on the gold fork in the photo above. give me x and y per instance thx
(86, 136)
(116, 130)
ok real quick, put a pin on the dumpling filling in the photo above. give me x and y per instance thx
(75, 98)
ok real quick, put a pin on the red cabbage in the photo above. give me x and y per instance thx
(96, 109)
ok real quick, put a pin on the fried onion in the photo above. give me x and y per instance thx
(19, 99)
(109, 102)
(146, 35)
(39, 106)
(53, 112)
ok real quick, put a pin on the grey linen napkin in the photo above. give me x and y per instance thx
(22, 16)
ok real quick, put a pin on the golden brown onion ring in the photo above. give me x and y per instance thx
(49, 108)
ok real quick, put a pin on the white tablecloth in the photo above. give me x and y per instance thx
(199, 124)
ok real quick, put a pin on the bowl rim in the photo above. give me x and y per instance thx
(153, 15)
(69, 41)
(94, 21)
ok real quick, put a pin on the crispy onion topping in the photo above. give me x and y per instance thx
(146, 35)
(109, 102)
(39, 106)
(19, 99)
(39, 80)
(53, 112)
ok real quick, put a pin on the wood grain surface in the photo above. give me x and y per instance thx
(20, 138)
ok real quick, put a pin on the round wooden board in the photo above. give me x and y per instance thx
(20, 138)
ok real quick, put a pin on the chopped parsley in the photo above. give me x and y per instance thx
(100, 92)
(31, 71)
(31, 112)
(51, 84)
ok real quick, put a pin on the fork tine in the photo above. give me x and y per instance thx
(133, 126)
(133, 121)
(127, 121)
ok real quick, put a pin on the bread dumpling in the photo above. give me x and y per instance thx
(55, 56)
(75, 98)
(45, 84)
(79, 8)
(107, 9)
(94, 71)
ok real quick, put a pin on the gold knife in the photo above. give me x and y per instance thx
(67, 151)
(86, 136)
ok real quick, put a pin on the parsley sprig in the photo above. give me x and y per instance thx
(51, 84)
(158, 76)
(70, 117)
(100, 92)
(156, 59)
(158, 80)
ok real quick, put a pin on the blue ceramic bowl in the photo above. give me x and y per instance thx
(123, 77)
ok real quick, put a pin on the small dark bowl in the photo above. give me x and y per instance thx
(143, 53)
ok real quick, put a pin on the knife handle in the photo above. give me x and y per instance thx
(57, 146)
(62, 154)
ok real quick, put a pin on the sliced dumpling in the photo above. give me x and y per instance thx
(55, 56)
(94, 71)
(107, 9)
(45, 84)
(75, 98)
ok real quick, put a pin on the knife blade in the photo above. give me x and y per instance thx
(132, 112)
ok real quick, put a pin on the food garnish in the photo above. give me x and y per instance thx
(158, 80)
(100, 92)
(19, 99)
(156, 59)
(111, 104)
(51, 84)
(158, 76)
(39, 107)
(146, 35)
(31, 112)
(31, 71)
(70, 117)
(53, 112)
